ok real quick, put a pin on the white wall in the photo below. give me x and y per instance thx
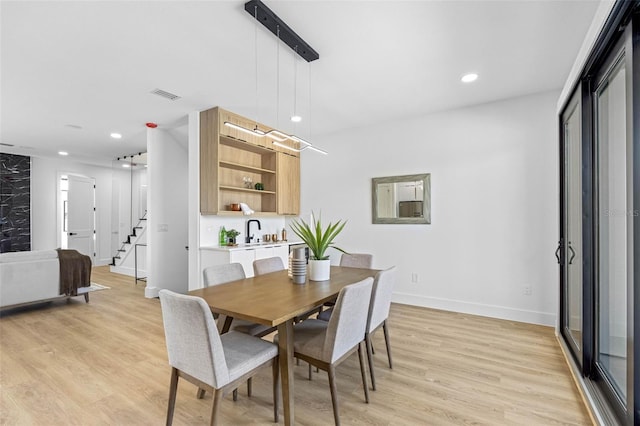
(494, 186)
(167, 223)
(44, 213)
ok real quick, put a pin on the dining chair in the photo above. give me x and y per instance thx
(378, 313)
(356, 260)
(221, 274)
(350, 260)
(268, 265)
(200, 355)
(326, 344)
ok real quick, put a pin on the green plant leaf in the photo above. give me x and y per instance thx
(317, 239)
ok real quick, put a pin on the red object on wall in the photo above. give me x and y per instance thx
(151, 125)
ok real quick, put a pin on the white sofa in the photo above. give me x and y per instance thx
(30, 276)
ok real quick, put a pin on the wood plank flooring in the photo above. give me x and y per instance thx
(105, 363)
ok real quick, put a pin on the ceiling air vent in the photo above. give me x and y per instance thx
(165, 94)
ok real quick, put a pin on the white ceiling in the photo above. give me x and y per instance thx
(93, 63)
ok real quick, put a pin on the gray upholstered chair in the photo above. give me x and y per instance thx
(356, 260)
(268, 265)
(351, 260)
(200, 355)
(221, 274)
(378, 314)
(326, 344)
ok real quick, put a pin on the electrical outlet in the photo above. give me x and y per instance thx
(527, 290)
(414, 277)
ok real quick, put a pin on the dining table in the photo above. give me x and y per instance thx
(275, 300)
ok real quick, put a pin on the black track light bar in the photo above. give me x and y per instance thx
(270, 20)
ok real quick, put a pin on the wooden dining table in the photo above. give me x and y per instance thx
(274, 300)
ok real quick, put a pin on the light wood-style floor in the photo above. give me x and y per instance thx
(71, 363)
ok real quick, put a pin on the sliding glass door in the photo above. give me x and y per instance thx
(614, 273)
(569, 251)
(600, 234)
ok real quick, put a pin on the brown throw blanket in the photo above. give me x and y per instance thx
(75, 271)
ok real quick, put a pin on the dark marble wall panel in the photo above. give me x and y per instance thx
(15, 203)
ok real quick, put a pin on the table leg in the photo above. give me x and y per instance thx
(285, 347)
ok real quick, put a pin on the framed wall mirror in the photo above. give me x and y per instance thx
(401, 199)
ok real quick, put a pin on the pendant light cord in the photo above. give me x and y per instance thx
(295, 84)
(278, 78)
(255, 45)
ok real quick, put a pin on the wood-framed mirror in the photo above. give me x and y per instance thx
(401, 199)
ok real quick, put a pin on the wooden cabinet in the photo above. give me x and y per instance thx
(288, 184)
(233, 161)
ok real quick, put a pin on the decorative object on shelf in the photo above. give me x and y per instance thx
(318, 240)
(248, 182)
(235, 207)
(246, 209)
(259, 186)
(284, 234)
(231, 237)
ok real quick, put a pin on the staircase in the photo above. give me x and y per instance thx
(122, 262)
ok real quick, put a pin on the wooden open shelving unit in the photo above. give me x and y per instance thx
(229, 157)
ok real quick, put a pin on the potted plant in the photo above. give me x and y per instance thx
(318, 239)
(231, 235)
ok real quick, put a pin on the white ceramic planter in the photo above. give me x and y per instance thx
(319, 270)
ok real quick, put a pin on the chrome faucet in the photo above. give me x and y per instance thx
(249, 237)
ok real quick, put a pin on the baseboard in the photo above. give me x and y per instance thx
(124, 270)
(532, 317)
(151, 292)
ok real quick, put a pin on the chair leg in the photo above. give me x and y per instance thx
(86, 297)
(249, 387)
(235, 394)
(309, 371)
(334, 393)
(217, 400)
(367, 341)
(173, 390)
(276, 388)
(363, 373)
(387, 341)
(200, 393)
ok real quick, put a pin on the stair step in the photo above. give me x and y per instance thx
(138, 227)
(144, 218)
(117, 257)
(121, 250)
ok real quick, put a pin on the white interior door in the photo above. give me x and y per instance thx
(80, 214)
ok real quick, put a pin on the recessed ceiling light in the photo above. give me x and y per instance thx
(468, 78)
(296, 118)
(116, 135)
(63, 153)
(126, 165)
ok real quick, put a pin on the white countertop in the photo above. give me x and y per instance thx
(251, 246)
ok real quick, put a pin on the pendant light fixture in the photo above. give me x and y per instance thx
(261, 13)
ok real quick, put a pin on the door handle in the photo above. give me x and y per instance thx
(573, 253)
(73, 233)
(559, 253)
